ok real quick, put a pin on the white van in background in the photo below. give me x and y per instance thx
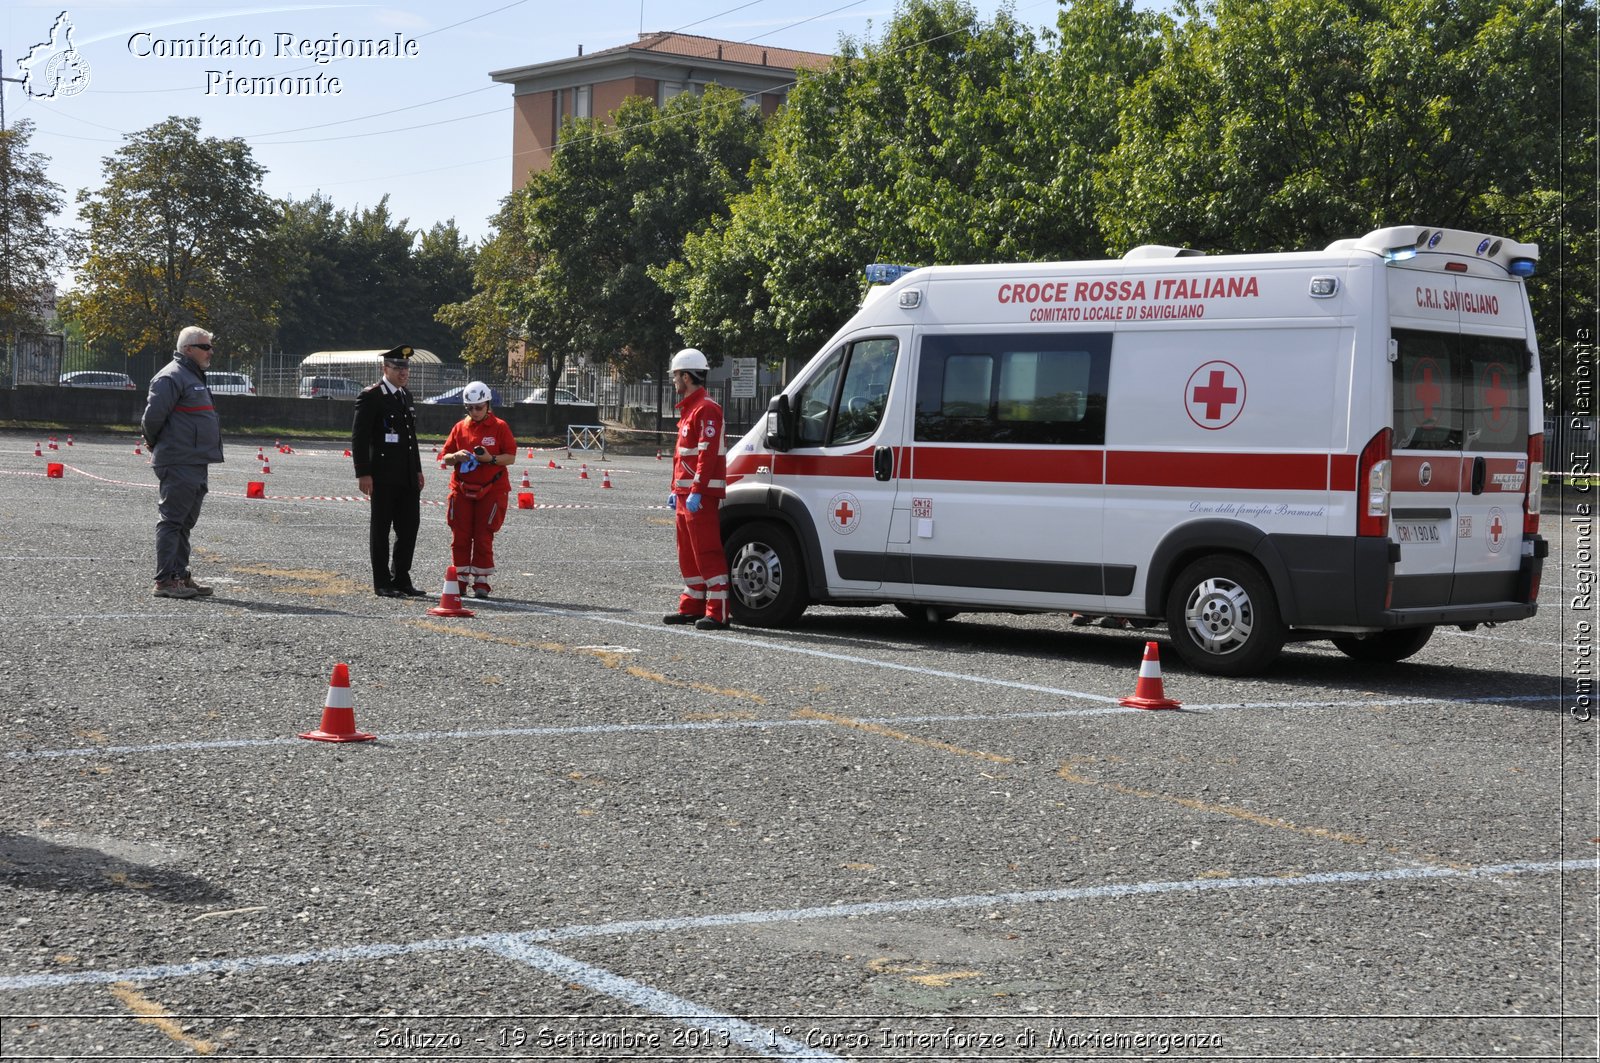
(1339, 444)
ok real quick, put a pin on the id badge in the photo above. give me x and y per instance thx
(391, 437)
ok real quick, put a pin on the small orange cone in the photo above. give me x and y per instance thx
(338, 712)
(38, 450)
(53, 445)
(450, 597)
(583, 471)
(266, 467)
(525, 483)
(255, 489)
(69, 439)
(54, 470)
(524, 499)
(136, 449)
(553, 464)
(605, 479)
(1147, 692)
(347, 452)
(530, 453)
(261, 454)
(658, 453)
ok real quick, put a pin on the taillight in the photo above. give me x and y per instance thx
(1535, 496)
(1373, 477)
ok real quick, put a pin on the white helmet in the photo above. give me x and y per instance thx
(474, 393)
(689, 360)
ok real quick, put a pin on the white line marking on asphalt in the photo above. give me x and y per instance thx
(381, 950)
(726, 1029)
(738, 725)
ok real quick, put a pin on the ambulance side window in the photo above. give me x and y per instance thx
(844, 401)
(1031, 389)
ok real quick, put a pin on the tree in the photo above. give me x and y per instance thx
(614, 208)
(29, 246)
(179, 234)
(493, 319)
(949, 140)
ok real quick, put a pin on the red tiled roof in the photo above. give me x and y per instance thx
(727, 51)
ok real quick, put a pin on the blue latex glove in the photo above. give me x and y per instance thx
(469, 464)
(672, 502)
(692, 503)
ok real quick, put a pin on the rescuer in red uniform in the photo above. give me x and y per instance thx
(479, 445)
(699, 482)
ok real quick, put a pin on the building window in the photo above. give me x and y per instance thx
(581, 105)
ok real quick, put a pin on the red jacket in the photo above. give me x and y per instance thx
(494, 436)
(700, 461)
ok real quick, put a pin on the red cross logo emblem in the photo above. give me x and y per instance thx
(1497, 530)
(1427, 390)
(844, 512)
(1495, 397)
(1214, 395)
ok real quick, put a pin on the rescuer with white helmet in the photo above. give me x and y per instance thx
(699, 482)
(480, 446)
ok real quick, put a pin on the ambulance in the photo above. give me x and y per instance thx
(1252, 449)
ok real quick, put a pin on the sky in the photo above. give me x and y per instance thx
(429, 129)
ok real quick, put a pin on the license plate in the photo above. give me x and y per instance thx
(1417, 532)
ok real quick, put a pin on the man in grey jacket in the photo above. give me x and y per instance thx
(183, 433)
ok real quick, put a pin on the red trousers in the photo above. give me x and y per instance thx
(473, 523)
(702, 562)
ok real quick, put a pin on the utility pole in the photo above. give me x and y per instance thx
(5, 213)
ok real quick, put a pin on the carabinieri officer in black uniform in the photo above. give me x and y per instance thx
(383, 443)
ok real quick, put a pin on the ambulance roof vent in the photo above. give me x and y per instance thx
(1163, 251)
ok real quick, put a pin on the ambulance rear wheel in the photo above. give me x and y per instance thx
(1386, 647)
(766, 578)
(921, 615)
(1222, 617)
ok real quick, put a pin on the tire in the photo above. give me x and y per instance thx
(922, 615)
(766, 577)
(1386, 647)
(1223, 618)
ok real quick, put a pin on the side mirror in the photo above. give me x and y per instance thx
(779, 424)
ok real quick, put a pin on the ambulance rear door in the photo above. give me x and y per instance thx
(1006, 479)
(1460, 372)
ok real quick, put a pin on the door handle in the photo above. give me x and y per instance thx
(1480, 469)
(882, 463)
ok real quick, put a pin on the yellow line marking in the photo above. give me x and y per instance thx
(1195, 804)
(609, 658)
(887, 732)
(157, 1016)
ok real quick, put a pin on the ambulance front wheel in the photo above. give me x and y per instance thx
(766, 578)
(1222, 617)
(1386, 647)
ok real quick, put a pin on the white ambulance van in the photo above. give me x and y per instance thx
(1252, 448)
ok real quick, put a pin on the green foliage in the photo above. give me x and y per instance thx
(490, 320)
(613, 210)
(949, 140)
(363, 279)
(179, 234)
(30, 248)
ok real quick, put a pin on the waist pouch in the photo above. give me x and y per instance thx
(473, 492)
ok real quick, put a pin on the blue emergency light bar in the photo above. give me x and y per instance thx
(1521, 267)
(886, 273)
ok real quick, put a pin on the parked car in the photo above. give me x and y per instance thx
(563, 398)
(230, 383)
(328, 387)
(96, 378)
(453, 397)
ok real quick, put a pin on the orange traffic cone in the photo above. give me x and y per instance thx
(553, 464)
(583, 471)
(524, 499)
(38, 450)
(255, 489)
(266, 467)
(136, 449)
(525, 483)
(658, 453)
(605, 479)
(450, 597)
(530, 453)
(69, 439)
(1147, 692)
(338, 712)
(53, 445)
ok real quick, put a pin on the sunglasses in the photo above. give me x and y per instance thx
(477, 405)
(201, 346)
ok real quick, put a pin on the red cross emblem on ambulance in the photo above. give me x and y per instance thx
(844, 512)
(1214, 395)
(1497, 529)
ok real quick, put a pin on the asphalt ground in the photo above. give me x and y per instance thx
(583, 834)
